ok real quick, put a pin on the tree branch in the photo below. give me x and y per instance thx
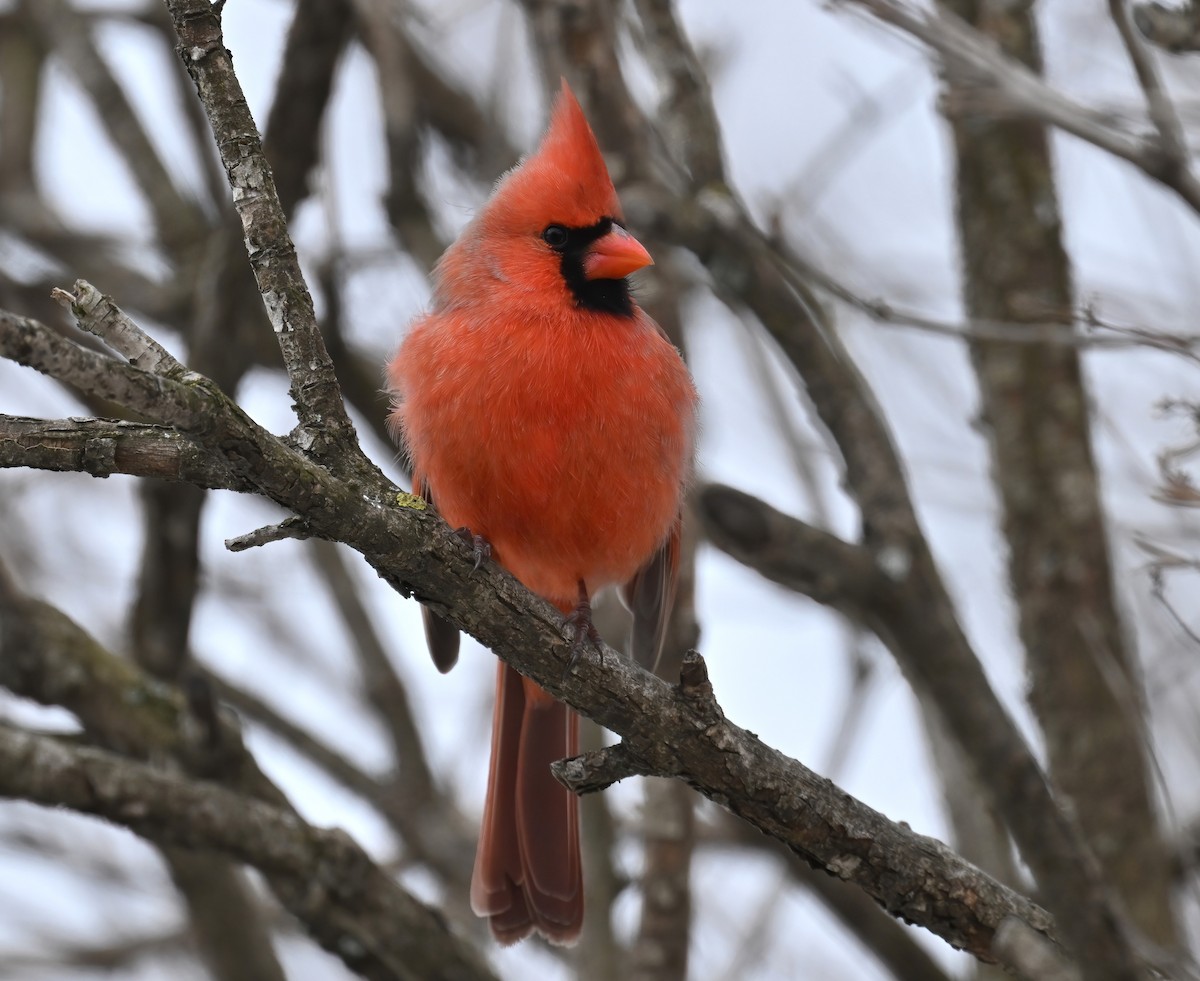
(62, 27)
(103, 447)
(316, 41)
(430, 823)
(894, 946)
(670, 732)
(1172, 27)
(47, 657)
(785, 550)
(1035, 407)
(1162, 111)
(37, 346)
(289, 305)
(98, 314)
(400, 937)
(1015, 90)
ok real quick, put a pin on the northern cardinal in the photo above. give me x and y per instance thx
(550, 418)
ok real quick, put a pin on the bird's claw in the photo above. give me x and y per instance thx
(580, 622)
(481, 548)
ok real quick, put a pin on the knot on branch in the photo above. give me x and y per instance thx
(294, 527)
(697, 689)
(99, 457)
(342, 868)
(598, 770)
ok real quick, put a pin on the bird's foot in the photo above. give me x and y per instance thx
(580, 622)
(481, 548)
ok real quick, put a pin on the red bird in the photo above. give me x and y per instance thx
(549, 416)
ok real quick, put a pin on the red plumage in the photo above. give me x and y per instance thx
(546, 412)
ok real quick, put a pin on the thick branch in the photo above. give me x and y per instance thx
(681, 732)
(103, 447)
(787, 551)
(933, 651)
(894, 946)
(48, 658)
(1037, 414)
(671, 733)
(404, 939)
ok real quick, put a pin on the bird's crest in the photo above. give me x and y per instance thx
(565, 180)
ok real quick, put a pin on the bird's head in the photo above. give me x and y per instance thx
(552, 233)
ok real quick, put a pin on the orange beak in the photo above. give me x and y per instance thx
(615, 255)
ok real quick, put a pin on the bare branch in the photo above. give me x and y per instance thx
(22, 62)
(381, 682)
(1172, 27)
(881, 934)
(336, 765)
(1013, 90)
(432, 826)
(99, 315)
(119, 953)
(293, 528)
(787, 551)
(47, 657)
(64, 30)
(591, 772)
(400, 938)
(401, 99)
(316, 40)
(1158, 102)
(289, 306)
(1059, 328)
(36, 346)
(689, 120)
(103, 447)
(660, 951)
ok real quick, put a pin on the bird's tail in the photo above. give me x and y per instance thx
(527, 867)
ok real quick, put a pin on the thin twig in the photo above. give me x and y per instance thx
(1158, 102)
(99, 315)
(1014, 90)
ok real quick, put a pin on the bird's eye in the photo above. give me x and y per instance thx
(555, 236)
